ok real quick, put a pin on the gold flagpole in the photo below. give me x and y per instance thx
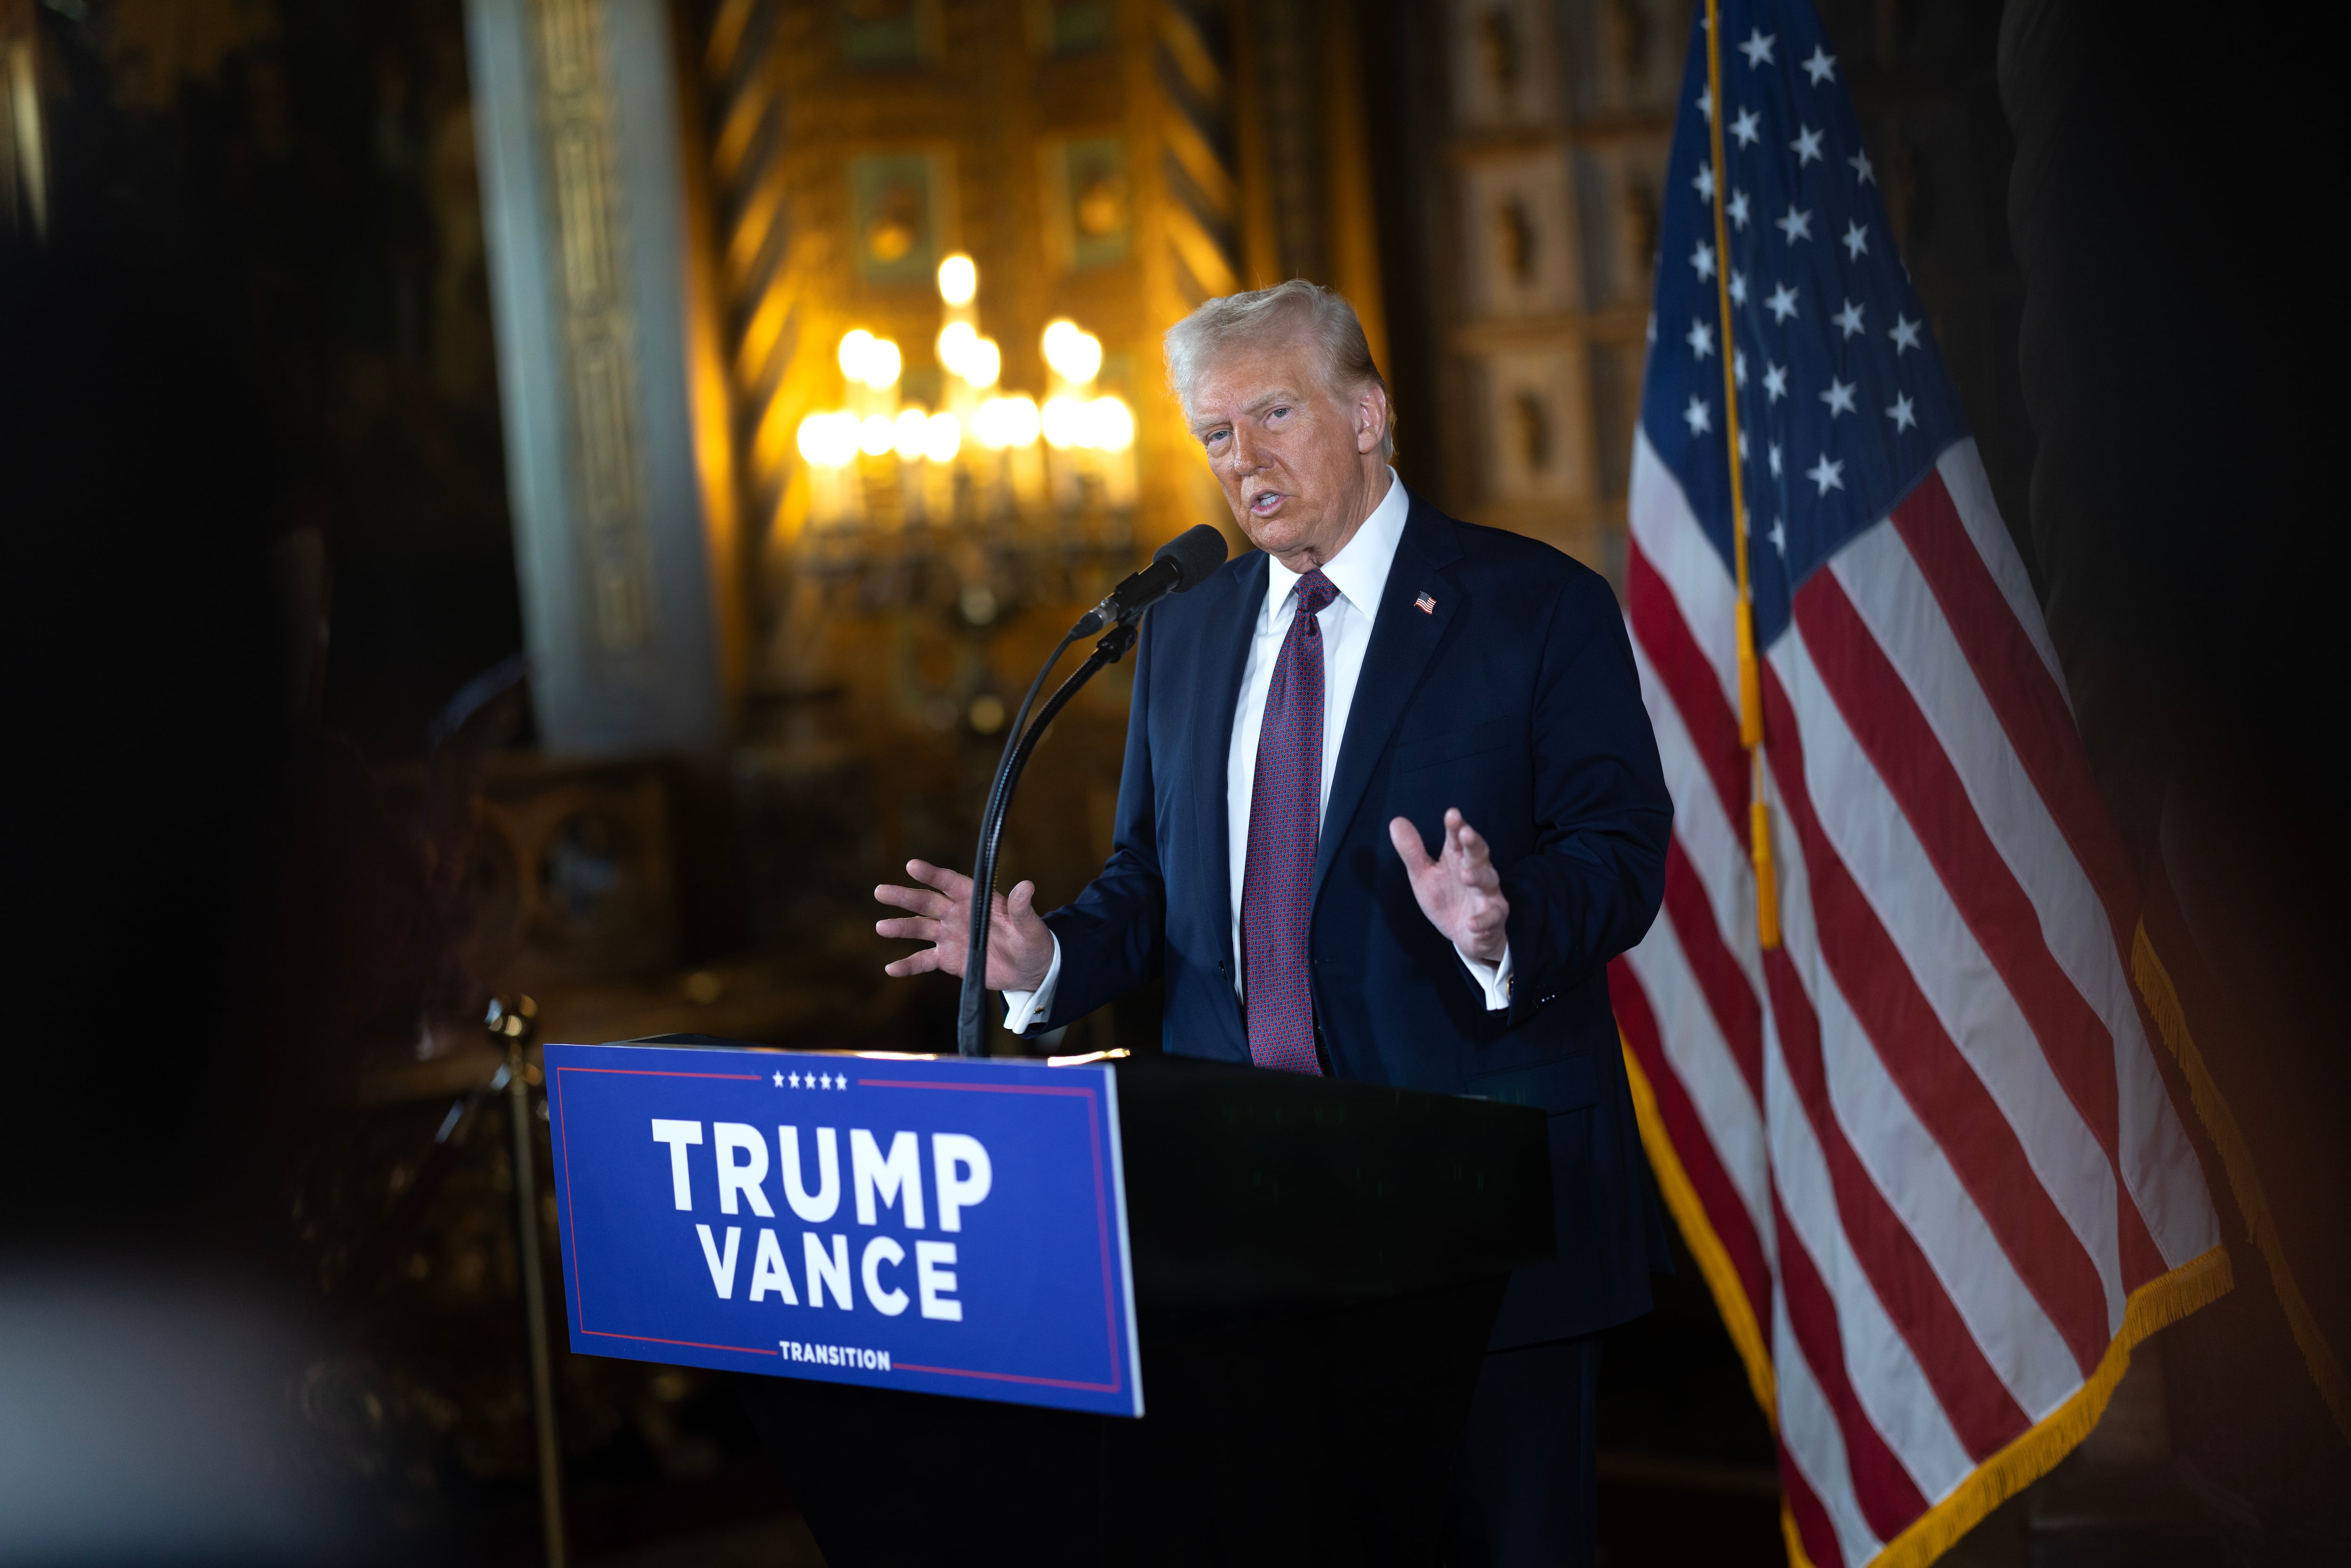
(1750, 680)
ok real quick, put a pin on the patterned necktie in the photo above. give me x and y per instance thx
(1285, 818)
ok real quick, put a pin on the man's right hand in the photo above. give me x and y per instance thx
(1020, 947)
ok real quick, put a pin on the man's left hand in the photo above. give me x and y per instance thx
(1459, 891)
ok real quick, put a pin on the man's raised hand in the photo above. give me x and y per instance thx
(1459, 891)
(1020, 947)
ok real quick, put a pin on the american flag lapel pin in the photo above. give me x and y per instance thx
(1426, 604)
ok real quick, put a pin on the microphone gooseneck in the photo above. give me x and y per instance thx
(1181, 564)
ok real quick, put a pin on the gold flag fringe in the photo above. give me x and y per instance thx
(2156, 1304)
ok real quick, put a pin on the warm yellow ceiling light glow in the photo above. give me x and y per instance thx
(958, 279)
(881, 364)
(829, 440)
(913, 429)
(1003, 422)
(1065, 422)
(1074, 353)
(1113, 424)
(876, 436)
(983, 363)
(854, 346)
(942, 438)
(955, 341)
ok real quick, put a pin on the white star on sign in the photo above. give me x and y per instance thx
(1739, 374)
(1782, 303)
(1806, 146)
(1905, 334)
(1704, 183)
(1700, 339)
(1748, 127)
(1828, 475)
(1796, 226)
(1700, 418)
(1774, 450)
(1737, 288)
(779, 1080)
(1742, 446)
(1702, 259)
(1775, 381)
(1706, 103)
(1900, 413)
(1856, 242)
(1839, 397)
(1860, 162)
(1849, 318)
(1821, 66)
(1778, 537)
(796, 1080)
(1758, 48)
(1737, 210)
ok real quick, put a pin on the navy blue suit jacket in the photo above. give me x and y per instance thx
(1513, 698)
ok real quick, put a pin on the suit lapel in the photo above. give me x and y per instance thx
(1404, 636)
(1224, 655)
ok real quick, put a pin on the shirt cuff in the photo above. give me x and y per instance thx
(1494, 979)
(1022, 1009)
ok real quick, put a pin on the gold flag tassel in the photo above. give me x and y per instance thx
(1767, 879)
(1750, 673)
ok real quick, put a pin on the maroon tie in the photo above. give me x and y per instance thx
(1285, 818)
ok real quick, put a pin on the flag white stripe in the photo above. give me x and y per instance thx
(1867, 831)
(1886, 1379)
(1808, 1431)
(1909, 1169)
(1961, 466)
(1893, 600)
(2158, 1160)
(1702, 823)
(1700, 1057)
(1702, 587)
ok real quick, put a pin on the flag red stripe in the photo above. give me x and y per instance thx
(1981, 1410)
(1688, 679)
(1699, 1161)
(1812, 1526)
(1738, 1011)
(1892, 732)
(2021, 691)
(1941, 1086)
(1889, 1499)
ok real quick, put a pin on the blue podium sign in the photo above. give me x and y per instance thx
(932, 1223)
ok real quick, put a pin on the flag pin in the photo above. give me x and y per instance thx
(1426, 604)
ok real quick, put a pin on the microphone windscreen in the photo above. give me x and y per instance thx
(1197, 551)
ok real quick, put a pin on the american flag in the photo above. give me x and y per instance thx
(1915, 1136)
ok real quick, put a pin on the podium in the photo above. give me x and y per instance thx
(1315, 1268)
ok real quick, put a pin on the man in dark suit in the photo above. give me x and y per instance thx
(1375, 676)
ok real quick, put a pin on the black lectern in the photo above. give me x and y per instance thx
(1317, 1266)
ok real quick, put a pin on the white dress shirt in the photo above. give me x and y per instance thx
(1360, 573)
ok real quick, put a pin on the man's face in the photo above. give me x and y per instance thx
(1300, 465)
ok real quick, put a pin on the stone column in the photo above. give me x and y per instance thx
(591, 280)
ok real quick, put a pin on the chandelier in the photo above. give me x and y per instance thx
(991, 501)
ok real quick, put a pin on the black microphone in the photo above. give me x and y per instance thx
(1181, 564)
